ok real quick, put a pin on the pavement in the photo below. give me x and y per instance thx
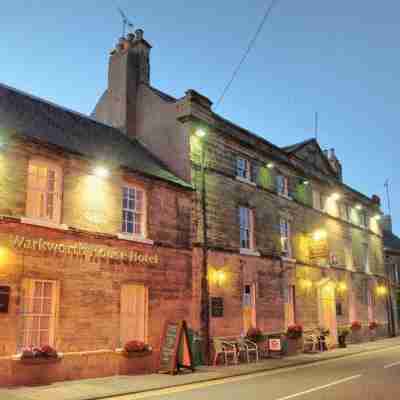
(359, 365)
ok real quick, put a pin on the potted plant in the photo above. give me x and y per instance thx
(294, 334)
(355, 331)
(38, 355)
(342, 335)
(134, 348)
(255, 335)
(373, 326)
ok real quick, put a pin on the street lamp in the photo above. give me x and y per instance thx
(201, 134)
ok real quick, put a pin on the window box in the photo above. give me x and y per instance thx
(134, 354)
(134, 238)
(245, 180)
(37, 360)
(250, 252)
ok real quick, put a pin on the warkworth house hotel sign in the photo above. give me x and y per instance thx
(83, 250)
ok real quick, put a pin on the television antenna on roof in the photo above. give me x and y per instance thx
(125, 21)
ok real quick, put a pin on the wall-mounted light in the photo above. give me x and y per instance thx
(359, 207)
(218, 277)
(381, 290)
(377, 217)
(319, 234)
(306, 182)
(270, 165)
(101, 172)
(342, 286)
(306, 284)
(200, 133)
(335, 196)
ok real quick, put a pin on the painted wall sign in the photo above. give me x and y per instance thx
(274, 344)
(319, 249)
(83, 250)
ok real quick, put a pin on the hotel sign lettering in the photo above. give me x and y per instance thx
(83, 250)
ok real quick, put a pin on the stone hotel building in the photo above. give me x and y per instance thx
(156, 208)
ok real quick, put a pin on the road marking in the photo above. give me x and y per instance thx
(392, 365)
(350, 378)
(183, 387)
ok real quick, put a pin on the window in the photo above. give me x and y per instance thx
(44, 191)
(243, 168)
(38, 313)
(285, 236)
(365, 258)
(282, 185)
(319, 200)
(364, 219)
(246, 228)
(134, 313)
(345, 211)
(133, 211)
(339, 308)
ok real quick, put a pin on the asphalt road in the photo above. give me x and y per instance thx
(369, 376)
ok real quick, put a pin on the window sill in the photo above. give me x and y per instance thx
(133, 238)
(288, 259)
(250, 252)
(285, 196)
(244, 180)
(46, 224)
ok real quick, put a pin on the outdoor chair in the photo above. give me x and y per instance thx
(248, 347)
(311, 343)
(226, 349)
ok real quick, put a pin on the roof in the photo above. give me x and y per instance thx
(297, 146)
(391, 241)
(38, 119)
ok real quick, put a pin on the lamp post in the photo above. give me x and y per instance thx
(204, 301)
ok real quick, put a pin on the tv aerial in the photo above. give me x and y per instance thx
(126, 23)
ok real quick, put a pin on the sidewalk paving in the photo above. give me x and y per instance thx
(95, 389)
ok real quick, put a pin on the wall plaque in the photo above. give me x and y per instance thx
(217, 307)
(4, 298)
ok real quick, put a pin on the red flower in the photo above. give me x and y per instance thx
(356, 326)
(294, 331)
(373, 325)
(135, 345)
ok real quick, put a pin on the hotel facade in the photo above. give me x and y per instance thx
(155, 209)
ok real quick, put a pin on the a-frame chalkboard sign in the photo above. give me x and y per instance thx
(175, 352)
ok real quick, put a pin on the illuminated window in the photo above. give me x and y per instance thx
(38, 313)
(243, 168)
(246, 228)
(285, 237)
(44, 191)
(133, 211)
(282, 185)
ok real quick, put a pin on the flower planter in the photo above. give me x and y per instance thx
(294, 346)
(135, 354)
(39, 360)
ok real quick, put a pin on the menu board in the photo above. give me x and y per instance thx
(175, 351)
(217, 307)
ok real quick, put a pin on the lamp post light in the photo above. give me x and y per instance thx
(205, 293)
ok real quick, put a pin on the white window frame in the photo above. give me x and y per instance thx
(246, 226)
(285, 234)
(319, 200)
(363, 218)
(29, 313)
(243, 168)
(282, 185)
(134, 212)
(37, 197)
(365, 258)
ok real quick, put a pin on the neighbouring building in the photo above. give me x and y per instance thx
(95, 243)
(279, 236)
(392, 263)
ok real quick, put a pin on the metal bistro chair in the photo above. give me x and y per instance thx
(225, 348)
(311, 343)
(248, 347)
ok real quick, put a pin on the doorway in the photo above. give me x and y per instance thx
(327, 309)
(249, 307)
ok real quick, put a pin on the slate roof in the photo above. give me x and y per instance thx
(40, 120)
(391, 241)
(297, 146)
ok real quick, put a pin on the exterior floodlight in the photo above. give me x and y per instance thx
(335, 196)
(101, 172)
(200, 133)
(320, 234)
(359, 207)
(270, 165)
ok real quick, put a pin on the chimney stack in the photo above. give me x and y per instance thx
(386, 223)
(334, 162)
(129, 67)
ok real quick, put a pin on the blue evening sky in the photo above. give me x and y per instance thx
(340, 58)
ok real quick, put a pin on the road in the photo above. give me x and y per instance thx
(369, 376)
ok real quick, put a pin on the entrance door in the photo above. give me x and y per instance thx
(249, 307)
(327, 310)
(134, 313)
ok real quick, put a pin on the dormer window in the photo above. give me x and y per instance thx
(243, 168)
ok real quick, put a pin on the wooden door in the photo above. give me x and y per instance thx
(134, 313)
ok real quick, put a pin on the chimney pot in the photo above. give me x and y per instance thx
(139, 34)
(131, 37)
